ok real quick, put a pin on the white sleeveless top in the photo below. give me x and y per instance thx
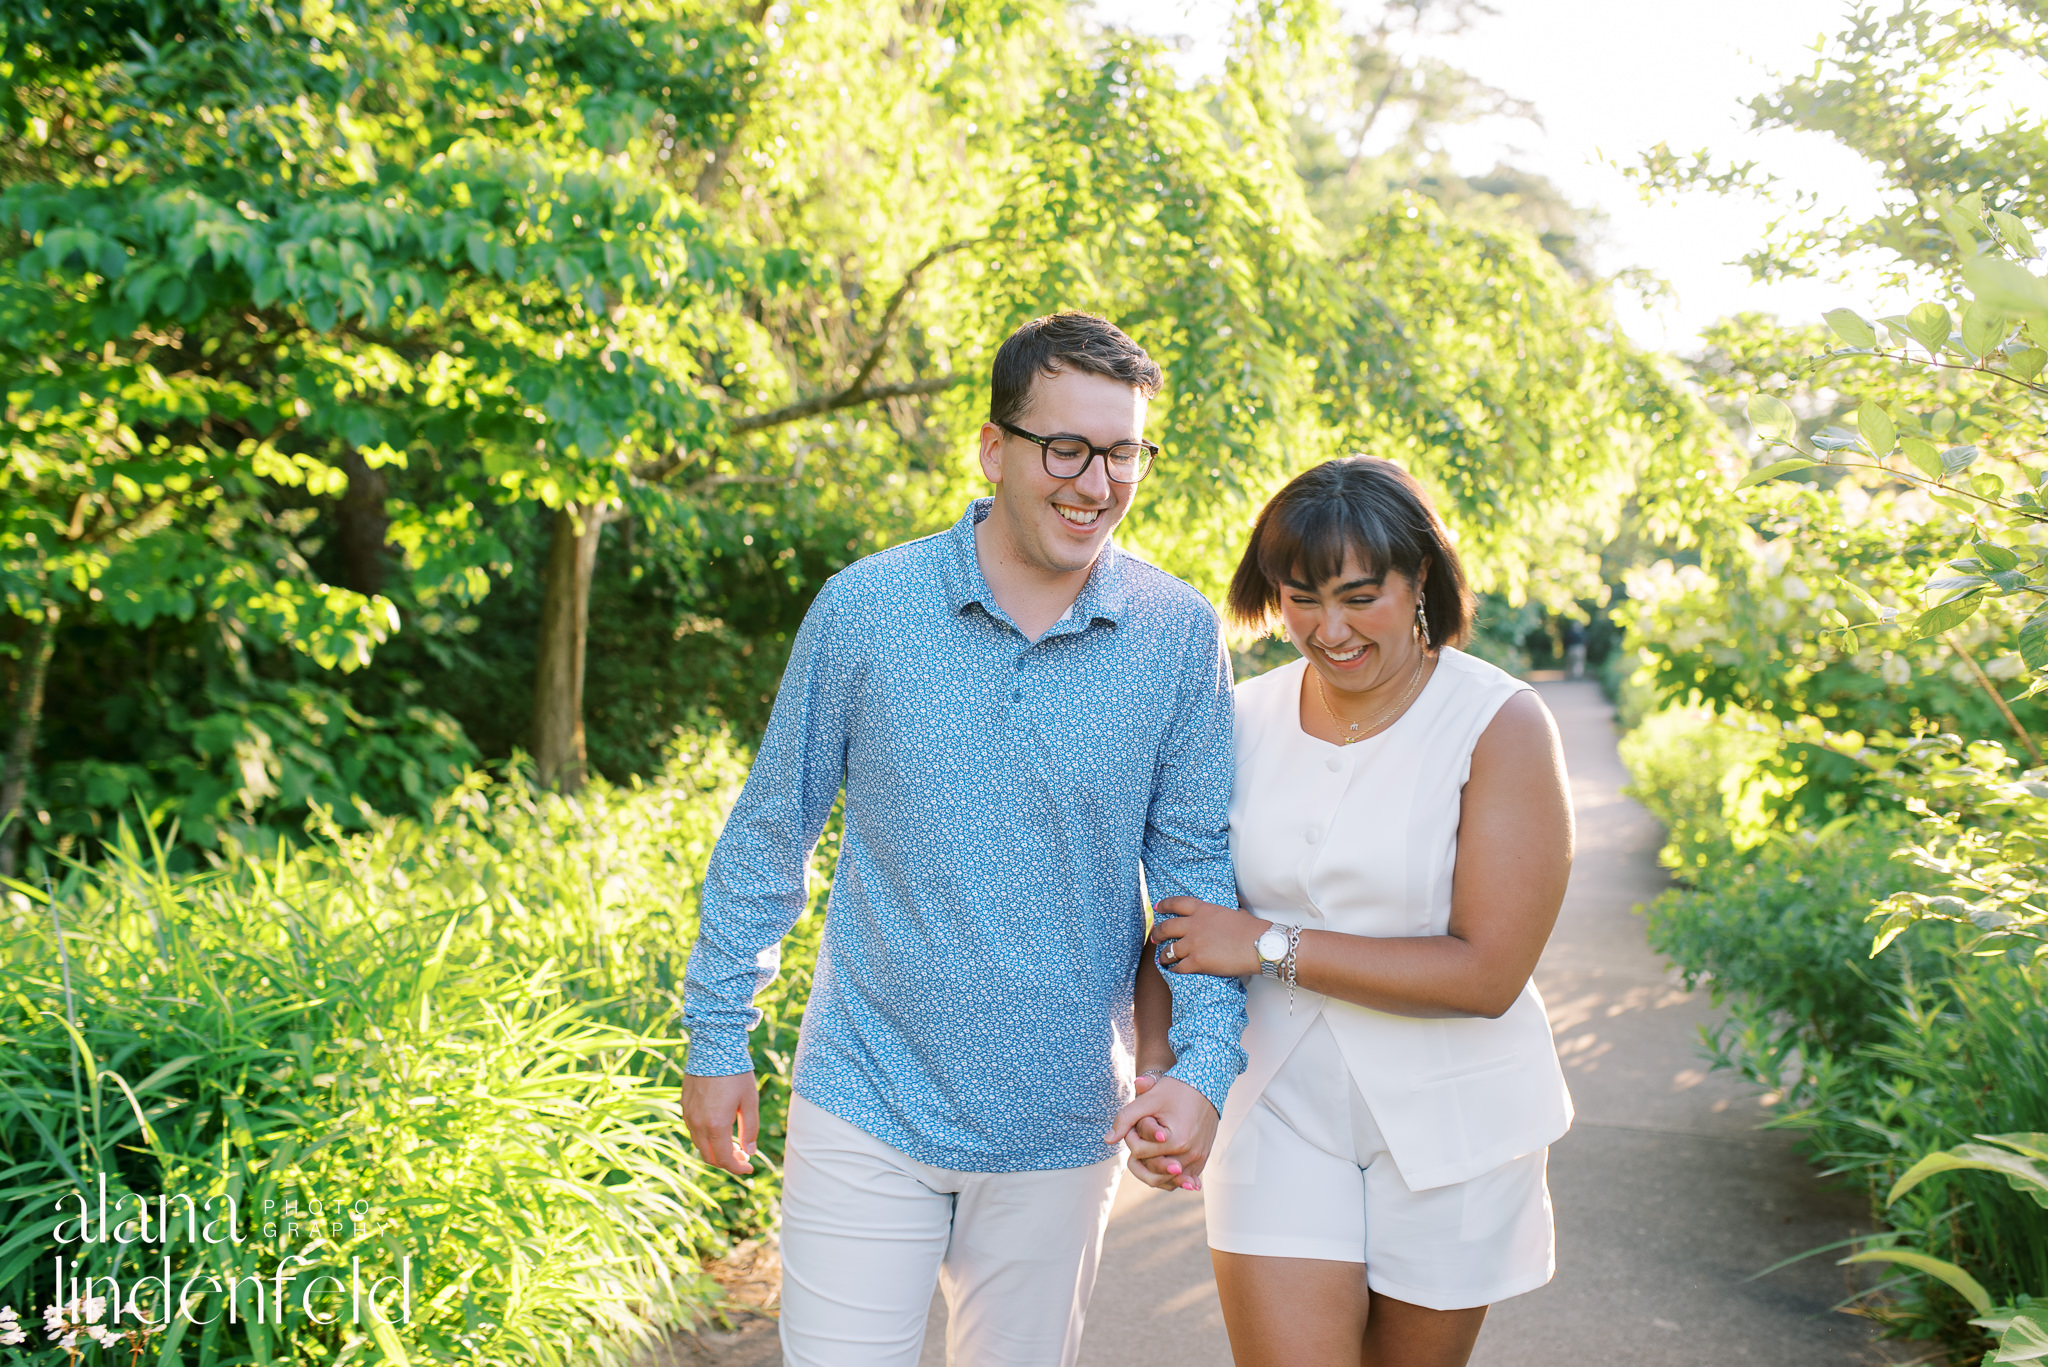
(1362, 839)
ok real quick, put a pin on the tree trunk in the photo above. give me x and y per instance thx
(27, 712)
(361, 526)
(558, 753)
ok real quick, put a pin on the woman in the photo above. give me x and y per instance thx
(1403, 834)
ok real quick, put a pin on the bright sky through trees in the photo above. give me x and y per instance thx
(1610, 78)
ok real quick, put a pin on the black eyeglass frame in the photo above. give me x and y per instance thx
(1151, 450)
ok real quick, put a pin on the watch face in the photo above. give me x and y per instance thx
(1272, 945)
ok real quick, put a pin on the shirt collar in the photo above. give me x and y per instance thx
(1102, 598)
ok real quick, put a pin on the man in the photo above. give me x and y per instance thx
(1019, 714)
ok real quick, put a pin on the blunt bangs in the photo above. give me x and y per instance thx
(1364, 505)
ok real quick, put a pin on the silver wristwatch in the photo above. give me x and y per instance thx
(1271, 947)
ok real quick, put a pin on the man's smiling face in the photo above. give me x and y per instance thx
(1059, 525)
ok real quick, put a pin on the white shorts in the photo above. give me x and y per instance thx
(1308, 1175)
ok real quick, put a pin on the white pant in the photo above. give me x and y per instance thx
(867, 1231)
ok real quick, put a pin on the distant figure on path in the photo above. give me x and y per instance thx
(1019, 714)
(1403, 832)
(1574, 634)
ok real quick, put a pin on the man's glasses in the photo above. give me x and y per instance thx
(1126, 462)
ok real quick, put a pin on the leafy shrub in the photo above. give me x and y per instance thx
(1780, 938)
(1880, 1058)
(456, 1038)
(247, 760)
(1690, 768)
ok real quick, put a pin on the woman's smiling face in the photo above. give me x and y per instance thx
(1357, 628)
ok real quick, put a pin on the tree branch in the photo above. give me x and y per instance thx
(857, 390)
(845, 398)
(896, 301)
(654, 471)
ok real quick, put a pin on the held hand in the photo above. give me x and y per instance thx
(1189, 1123)
(1157, 1171)
(711, 1106)
(1208, 938)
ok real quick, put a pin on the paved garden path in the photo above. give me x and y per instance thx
(1668, 1197)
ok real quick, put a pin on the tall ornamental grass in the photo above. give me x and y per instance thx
(434, 1063)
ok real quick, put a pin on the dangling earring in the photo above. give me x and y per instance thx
(1421, 624)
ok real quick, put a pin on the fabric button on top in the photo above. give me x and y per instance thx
(1333, 764)
(1313, 834)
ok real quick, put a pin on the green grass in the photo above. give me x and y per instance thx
(466, 1030)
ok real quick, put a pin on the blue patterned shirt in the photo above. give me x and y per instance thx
(972, 1000)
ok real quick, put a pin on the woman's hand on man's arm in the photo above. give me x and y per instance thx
(1207, 938)
(1514, 858)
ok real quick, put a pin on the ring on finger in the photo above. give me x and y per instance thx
(1172, 954)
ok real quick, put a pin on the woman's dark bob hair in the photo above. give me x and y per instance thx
(1359, 503)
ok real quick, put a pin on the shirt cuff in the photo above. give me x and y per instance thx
(1210, 1071)
(717, 1051)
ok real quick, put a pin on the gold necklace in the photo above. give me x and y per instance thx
(1358, 731)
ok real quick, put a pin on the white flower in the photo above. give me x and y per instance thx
(2006, 667)
(69, 1340)
(95, 1309)
(1896, 670)
(103, 1336)
(11, 1331)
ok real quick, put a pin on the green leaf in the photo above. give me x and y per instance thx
(2020, 1172)
(1957, 459)
(2007, 286)
(1969, 1287)
(1851, 327)
(1963, 226)
(1925, 456)
(1954, 504)
(2025, 363)
(2034, 641)
(1875, 426)
(1984, 327)
(1998, 557)
(1987, 485)
(1772, 420)
(1772, 471)
(1930, 325)
(2026, 1338)
(1946, 616)
(2013, 232)
(2030, 1143)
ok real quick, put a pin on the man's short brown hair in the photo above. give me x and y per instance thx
(1048, 345)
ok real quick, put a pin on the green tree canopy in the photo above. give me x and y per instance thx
(304, 303)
